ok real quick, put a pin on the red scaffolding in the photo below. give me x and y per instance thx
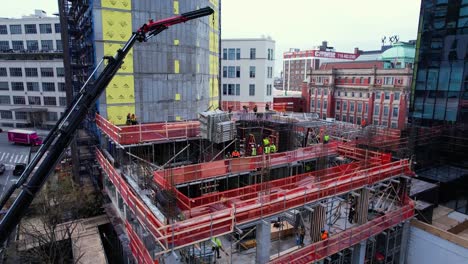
(153, 132)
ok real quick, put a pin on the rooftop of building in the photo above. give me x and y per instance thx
(400, 50)
(38, 14)
(263, 38)
(353, 65)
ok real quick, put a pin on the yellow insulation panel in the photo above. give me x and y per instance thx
(117, 114)
(121, 90)
(176, 66)
(176, 7)
(117, 4)
(116, 26)
(111, 48)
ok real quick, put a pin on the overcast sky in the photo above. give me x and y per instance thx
(300, 24)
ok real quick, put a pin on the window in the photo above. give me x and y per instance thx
(52, 116)
(252, 72)
(230, 89)
(345, 118)
(325, 104)
(31, 72)
(4, 86)
(238, 72)
(17, 45)
(376, 110)
(231, 54)
(353, 80)
(3, 72)
(394, 125)
(224, 54)
(238, 54)
(4, 45)
(270, 54)
(32, 86)
(360, 94)
(15, 29)
(47, 45)
(253, 52)
(387, 95)
(338, 105)
(32, 45)
(3, 30)
(395, 112)
(6, 114)
(361, 80)
(231, 72)
(45, 28)
(359, 107)
(352, 94)
(58, 42)
(351, 119)
(60, 72)
(345, 106)
(385, 110)
(225, 71)
(49, 100)
(369, 80)
(366, 109)
(62, 101)
(358, 120)
(47, 72)
(34, 100)
(237, 89)
(30, 29)
(388, 80)
(270, 72)
(269, 88)
(48, 87)
(5, 99)
(396, 96)
(17, 86)
(339, 93)
(16, 72)
(351, 106)
(319, 104)
(19, 100)
(252, 89)
(61, 87)
(21, 115)
(377, 95)
(58, 29)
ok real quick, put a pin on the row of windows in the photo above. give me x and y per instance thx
(32, 72)
(344, 106)
(32, 86)
(234, 89)
(8, 115)
(29, 29)
(33, 100)
(386, 110)
(235, 54)
(378, 94)
(31, 45)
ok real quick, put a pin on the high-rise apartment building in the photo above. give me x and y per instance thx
(247, 73)
(32, 88)
(440, 90)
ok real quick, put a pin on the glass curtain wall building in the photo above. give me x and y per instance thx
(440, 87)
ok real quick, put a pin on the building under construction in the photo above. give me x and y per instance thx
(325, 196)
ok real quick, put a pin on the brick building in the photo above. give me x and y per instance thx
(366, 92)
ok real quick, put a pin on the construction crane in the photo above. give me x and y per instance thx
(61, 135)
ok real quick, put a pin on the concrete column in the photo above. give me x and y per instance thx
(263, 240)
(362, 206)
(359, 252)
(404, 242)
(317, 223)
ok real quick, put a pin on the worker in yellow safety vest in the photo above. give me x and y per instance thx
(266, 149)
(272, 148)
(217, 245)
(254, 150)
(266, 142)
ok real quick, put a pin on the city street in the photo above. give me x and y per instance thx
(10, 154)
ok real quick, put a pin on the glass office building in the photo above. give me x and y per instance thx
(440, 85)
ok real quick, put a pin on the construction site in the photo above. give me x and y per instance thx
(327, 195)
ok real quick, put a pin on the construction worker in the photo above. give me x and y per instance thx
(301, 235)
(254, 150)
(324, 235)
(266, 149)
(134, 120)
(255, 109)
(217, 245)
(259, 149)
(326, 138)
(129, 120)
(272, 148)
(267, 107)
(236, 154)
(266, 141)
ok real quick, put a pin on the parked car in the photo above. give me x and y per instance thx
(2, 168)
(19, 168)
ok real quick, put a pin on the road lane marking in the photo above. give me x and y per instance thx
(16, 158)
(11, 158)
(6, 158)
(25, 159)
(3, 155)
